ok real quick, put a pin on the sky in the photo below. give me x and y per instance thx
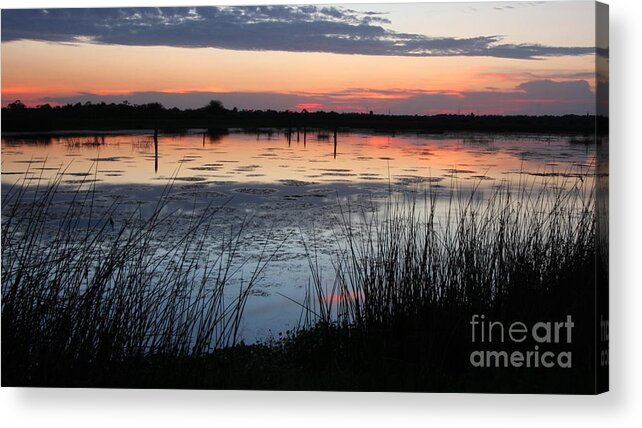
(414, 58)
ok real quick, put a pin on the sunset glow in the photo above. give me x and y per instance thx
(39, 67)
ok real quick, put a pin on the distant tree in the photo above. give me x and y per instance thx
(214, 106)
(17, 104)
(154, 106)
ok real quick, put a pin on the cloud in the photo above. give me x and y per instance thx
(535, 97)
(548, 89)
(282, 28)
(195, 99)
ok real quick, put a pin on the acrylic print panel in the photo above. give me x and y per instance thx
(371, 197)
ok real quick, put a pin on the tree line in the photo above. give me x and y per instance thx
(17, 117)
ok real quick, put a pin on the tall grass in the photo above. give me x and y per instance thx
(82, 293)
(409, 274)
(471, 249)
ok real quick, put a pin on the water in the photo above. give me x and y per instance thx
(293, 190)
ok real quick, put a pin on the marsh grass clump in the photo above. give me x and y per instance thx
(410, 274)
(76, 142)
(473, 250)
(84, 296)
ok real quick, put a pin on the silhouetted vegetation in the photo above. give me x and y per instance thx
(90, 305)
(17, 117)
(408, 282)
(81, 295)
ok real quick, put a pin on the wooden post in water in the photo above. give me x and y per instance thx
(297, 134)
(156, 150)
(204, 139)
(335, 143)
(305, 135)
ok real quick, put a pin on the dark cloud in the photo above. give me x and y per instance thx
(534, 97)
(284, 28)
(242, 100)
(548, 89)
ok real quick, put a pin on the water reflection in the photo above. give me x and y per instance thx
(268, 156)
(282, 183)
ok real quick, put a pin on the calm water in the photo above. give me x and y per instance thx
(290, 189)
(265, 158)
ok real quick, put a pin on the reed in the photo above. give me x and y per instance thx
(410, 274)
(81, 294)
(472, 249)
(87, 301)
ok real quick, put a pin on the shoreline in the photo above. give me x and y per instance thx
(217, 119)
(280, 130)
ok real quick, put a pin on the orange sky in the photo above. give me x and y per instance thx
(39, 71)
(32, 70)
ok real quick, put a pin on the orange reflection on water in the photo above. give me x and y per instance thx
(270, 157)
(344, 297)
